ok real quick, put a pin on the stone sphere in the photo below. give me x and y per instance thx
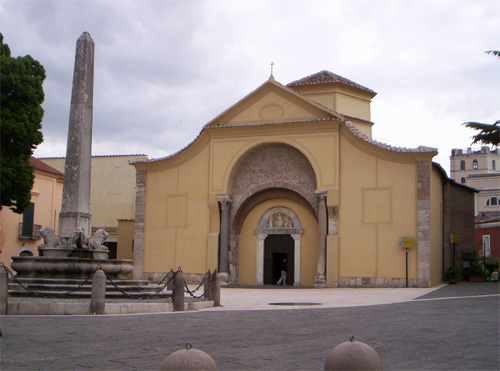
(188, 359)
(353, 355)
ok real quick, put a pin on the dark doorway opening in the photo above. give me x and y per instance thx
(113, 249)
(276, 248)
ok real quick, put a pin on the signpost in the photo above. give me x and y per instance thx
(454, 239)
(406, 243)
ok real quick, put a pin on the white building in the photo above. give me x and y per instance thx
(479, 169)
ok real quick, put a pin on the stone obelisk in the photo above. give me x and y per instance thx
(75, 211)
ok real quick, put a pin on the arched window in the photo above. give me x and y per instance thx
(463, 180)
(462, 165)
(493, 201)
(493, 165)
(474, 164)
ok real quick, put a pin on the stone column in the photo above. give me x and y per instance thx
(75, 211)
(297, 245)
(320, 280)
(225, 204)
(260, 258)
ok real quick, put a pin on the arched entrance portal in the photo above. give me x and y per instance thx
(278, 252)
(279, 235)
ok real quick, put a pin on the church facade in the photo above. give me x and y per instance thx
(291, 171)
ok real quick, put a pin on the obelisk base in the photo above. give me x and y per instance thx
(71, 222)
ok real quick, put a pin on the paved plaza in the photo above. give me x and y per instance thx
(455, 327)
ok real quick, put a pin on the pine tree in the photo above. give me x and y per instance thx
(21, 96)
(488, 134)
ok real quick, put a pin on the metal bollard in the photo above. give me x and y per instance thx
(215, 289)
(178, 294)
(98, 296)
(4, 290)
(170, 285)
(206, 282)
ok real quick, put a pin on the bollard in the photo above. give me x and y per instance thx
(178, 294)
(98, 296)
(353, 355)
(170, 285)
(188, 359)
(4, 290)
(215, 289)
(206, 282)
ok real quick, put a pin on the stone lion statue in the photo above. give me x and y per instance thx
(96, 242)
(49, 237)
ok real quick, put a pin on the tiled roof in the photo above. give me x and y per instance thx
(421, 149)
(134, 154)
(327, 77)
(40, 165)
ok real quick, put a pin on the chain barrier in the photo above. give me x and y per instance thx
(40, 295)
(212, 279)
(144, 296)
(87, 279)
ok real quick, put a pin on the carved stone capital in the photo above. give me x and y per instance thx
(225, 201)
(321, 195)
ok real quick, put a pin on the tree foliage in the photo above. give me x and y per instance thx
(21, 115)
(488, 134)
(493, 52)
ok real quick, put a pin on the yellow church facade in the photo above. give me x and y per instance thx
(292, 172)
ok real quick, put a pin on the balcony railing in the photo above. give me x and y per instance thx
(32, 233)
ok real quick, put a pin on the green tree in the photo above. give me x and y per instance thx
(21, 96)
(488, 134)
(493, 52)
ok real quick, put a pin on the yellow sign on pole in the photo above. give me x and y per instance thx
(455, 238)
(406, 242)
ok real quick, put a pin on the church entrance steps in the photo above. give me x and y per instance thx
(80, 306)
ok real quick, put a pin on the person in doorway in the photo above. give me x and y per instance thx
(282, 279)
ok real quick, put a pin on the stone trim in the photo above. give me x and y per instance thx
(295, 230)
(140, 209)
(281, 184)
(424, 222)
(376, 282)
(225, 206)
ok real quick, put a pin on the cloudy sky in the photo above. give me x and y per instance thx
(165, 68)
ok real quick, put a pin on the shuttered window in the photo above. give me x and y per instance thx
(28, 215)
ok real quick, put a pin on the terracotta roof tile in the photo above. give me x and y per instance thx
(40, 165)
(420, 149)
(327, 77)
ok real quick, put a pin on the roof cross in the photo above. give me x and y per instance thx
(272, 65)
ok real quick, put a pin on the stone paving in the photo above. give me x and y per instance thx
(454, 327)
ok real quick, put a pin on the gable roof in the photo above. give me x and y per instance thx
(270, 85)
(40, 165)
(327, 77)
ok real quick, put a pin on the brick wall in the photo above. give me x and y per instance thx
(458, 218)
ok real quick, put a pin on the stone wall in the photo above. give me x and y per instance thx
(376, 282)
(424, 223)
(458, 219)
